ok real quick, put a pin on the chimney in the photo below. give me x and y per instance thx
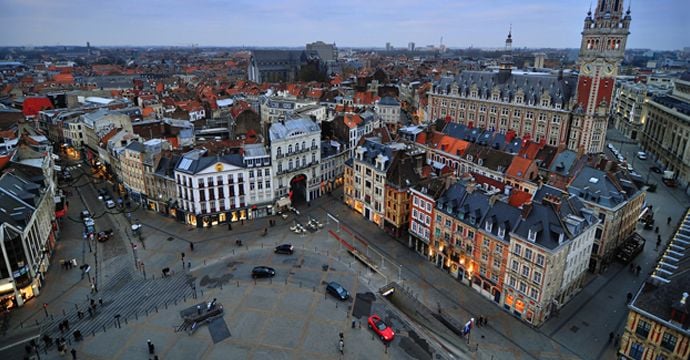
(526, 209)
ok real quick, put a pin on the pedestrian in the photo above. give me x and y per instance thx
(189, 265)
(74, 353)
(191, 246)
(66, 324)
(629, 297)
(486, 320)
(61, 327)
(668, 221)
(611, 337)
(479, 322)
(80, 314)
(632, 267)
(639, 269)
(90, 312)
(100, 301)
(198, 309)
(341, 346)
(152, 349)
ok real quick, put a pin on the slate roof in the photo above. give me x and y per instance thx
(194, 162)
(502, 215)
(389, 101)
(19, 198)
(563, 163)
(597, 186)
(373, 149)
(533, 85)
(661, 294)
(281, 130)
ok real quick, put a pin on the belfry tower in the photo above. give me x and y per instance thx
(601, 52)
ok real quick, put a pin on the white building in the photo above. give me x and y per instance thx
(295, 155)
(218, 189)
(388, 108)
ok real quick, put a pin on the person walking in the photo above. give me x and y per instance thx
(74, 353)
(341, 346)
(152, 348)
(668, 221)
(638, 270)
(611, 337)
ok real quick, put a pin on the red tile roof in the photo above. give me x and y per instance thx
(518, 198)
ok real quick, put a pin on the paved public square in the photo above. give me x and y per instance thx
(289, 316)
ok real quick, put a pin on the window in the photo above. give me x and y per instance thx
(470, 235)
(643, 329)
(528, 254)
(517, 250)
(523, 287)
(251, 174)
(501, 232)
(515, 265)
(668, 341)
(534, 293)
(525, 270)
(497, 263)
(540, 260)
(636, 351)
(537, 277)
(498, 249)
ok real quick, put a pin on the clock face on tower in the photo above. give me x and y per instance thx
(587, 69)
(608, 69)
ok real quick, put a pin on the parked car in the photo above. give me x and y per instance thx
(263, 271)
(284, 249)
(630, 168)
(110, 204)
(105, 235)
(102, 193)
(384, 331)
(655, 169)
(85, 214)
(337, 290)
(641, 155)
(610, 146)
(107, 197)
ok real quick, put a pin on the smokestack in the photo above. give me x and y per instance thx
(526, 209)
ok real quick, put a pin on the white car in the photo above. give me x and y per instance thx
(621, 158)
(630, 168)
(642, 155)
(610, 146)
(110, 204)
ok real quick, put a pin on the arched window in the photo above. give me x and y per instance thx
(304, 145)
(290, 165)
(313, 142)
(289, 149)
(279, 151)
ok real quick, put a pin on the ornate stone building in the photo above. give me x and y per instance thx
(554, 108)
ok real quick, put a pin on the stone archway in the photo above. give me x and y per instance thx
(298, 189)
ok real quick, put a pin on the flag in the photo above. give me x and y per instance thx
(468, 327)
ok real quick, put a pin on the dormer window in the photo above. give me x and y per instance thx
(518, 99)
(532, 235)
(545, 102)
(473, 219)
(501, 232)
(488, 226)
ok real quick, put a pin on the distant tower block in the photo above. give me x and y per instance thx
(539, 60)
(88, 47)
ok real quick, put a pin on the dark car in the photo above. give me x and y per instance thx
(102, 193)
(85, 214)
(284, 249)
(655, 169)
(337, 290)
(263, 271)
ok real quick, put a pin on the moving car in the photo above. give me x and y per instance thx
(102, 193)
(630, 167)
(284, 249)
(104, 235)
(642, 155)
(263, 271)
(384, 331)
(655, 169)
(85, 214)
(337, 290)
(110, 204)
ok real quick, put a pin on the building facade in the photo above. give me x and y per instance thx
(627, 107)
(667, 130)
(296, 157)
(214, 190)
(659, 315)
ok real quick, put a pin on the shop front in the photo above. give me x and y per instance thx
(17, 291)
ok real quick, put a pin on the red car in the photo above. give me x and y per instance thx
(384, 331)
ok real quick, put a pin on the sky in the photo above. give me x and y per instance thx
(656, 24)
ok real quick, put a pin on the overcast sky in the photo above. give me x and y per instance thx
(656, 24)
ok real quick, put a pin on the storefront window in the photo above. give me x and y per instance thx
(222, 217)
(519, 306)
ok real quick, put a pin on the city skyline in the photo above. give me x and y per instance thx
(535, 23)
